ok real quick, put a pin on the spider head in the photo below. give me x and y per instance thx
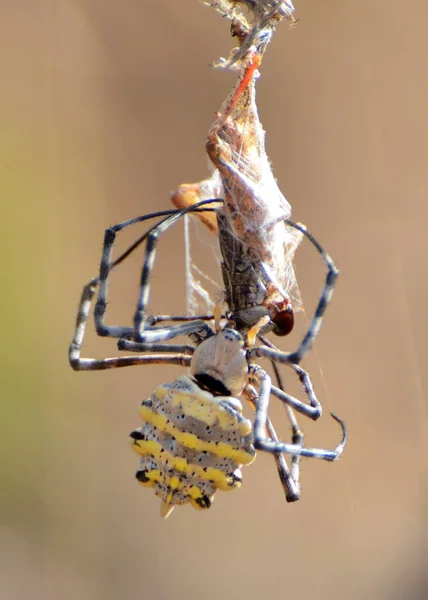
(220, 363)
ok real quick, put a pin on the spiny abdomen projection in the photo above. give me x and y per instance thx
(191, 444)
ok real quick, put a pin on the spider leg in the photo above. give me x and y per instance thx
(196, 328)
(106, 267)
(130, 346)
(94, 364)
(314, 411)
(142, 334)
(152, 334)
(289, 477)
(297, 438)
(262, 442)
(315, 325)
(153, 319)
(196, 336)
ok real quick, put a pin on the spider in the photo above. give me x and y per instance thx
(221, 362)
(194, 438)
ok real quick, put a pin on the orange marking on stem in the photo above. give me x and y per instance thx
(248, 74)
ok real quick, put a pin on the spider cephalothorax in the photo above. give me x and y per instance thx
(220, 363)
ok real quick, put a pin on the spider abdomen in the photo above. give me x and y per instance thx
(191, 443)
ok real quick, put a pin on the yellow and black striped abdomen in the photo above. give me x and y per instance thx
(191, 444)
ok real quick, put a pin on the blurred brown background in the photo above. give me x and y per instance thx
(105, 106)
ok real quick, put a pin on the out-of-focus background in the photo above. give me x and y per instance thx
(105, 107)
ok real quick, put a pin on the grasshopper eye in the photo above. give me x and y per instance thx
(284, 321)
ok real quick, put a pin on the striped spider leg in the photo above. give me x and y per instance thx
(144, 335)
(263, 438)
(269, 444)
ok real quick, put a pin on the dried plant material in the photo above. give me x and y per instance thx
(252, 23)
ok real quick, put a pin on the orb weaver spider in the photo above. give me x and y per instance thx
(221, 363)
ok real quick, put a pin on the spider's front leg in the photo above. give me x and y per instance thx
(144, 333)
(326, 295)
(94, 364)
(196, 329)
(148, 334)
